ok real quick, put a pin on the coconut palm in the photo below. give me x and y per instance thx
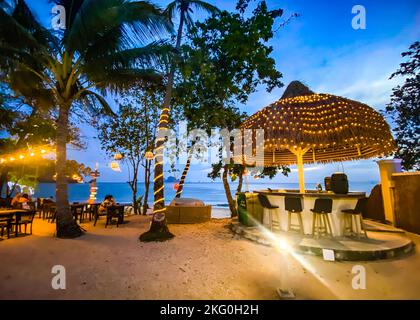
(184, 8)
(105, 47)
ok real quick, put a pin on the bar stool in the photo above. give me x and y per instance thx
(321, 220)
(357, 214)
(294, 205)
(265, 203)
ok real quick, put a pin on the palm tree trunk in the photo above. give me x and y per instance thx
(240, 182)
(146, 185)
(133, 185)
(184, 175)
(158, 229)
(67, 227)
(134, 194)
(228, 193)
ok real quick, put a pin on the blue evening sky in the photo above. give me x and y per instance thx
(321, 49)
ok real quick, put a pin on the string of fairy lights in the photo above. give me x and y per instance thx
(163, 120)
(181, 181)
(27, 154)
(331, 126)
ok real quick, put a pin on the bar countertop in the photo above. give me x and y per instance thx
(312, 193)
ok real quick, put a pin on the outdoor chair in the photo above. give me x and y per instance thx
(114, 212)
(77, 211)
(294, 205)
(321, 221)
(5, 202)
(39, 206)
(45, 208)
(52, 212)
(23, 219)
(32, 205)
(266, 204)
(355, 214)
(97, 214)
(6, 223)
(91, 210)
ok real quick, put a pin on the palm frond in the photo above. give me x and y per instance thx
(171, 10)
(188, 7)
(105, 108)
(6, 6)
(23, 15)
(118, 80)
(156, 53)
(12, 58)
(127, 22)
(14, 34)
(204, 6)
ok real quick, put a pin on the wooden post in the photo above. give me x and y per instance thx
(299, 152)
(299, 156)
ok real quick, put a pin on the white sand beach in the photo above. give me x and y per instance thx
(203, 261)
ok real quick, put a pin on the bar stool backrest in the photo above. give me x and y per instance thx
(323, 205)
(264, 201)
(293, 204)
(361, 205)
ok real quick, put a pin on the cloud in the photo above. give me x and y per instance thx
(307, 169)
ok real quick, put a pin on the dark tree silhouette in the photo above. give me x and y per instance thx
(404, 109)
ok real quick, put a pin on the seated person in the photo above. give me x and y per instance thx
(23, 201)
(109, 201)
(15, 200)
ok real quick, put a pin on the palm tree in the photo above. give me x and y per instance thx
(102, 49)
(158, 228)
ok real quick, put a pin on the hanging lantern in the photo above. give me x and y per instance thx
(245, 173)
(176, 186)
(93, 193)
(149, 155)
(118, 156)
(115, 166)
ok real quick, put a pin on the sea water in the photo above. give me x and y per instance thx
(210, 192)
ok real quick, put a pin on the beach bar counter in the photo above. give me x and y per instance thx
(280, 215)
(305, 127)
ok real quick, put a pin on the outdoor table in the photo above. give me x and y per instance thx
(13, 212)
(340, 202)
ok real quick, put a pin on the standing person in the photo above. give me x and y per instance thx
(109, 201)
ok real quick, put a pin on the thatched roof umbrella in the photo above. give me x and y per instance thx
(305, 127)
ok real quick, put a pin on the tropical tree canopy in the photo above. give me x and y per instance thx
(224, 61)
(132, 134)
(107, 45)
(159, 229)
(404, 109)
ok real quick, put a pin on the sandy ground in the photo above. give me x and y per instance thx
(203, 261)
